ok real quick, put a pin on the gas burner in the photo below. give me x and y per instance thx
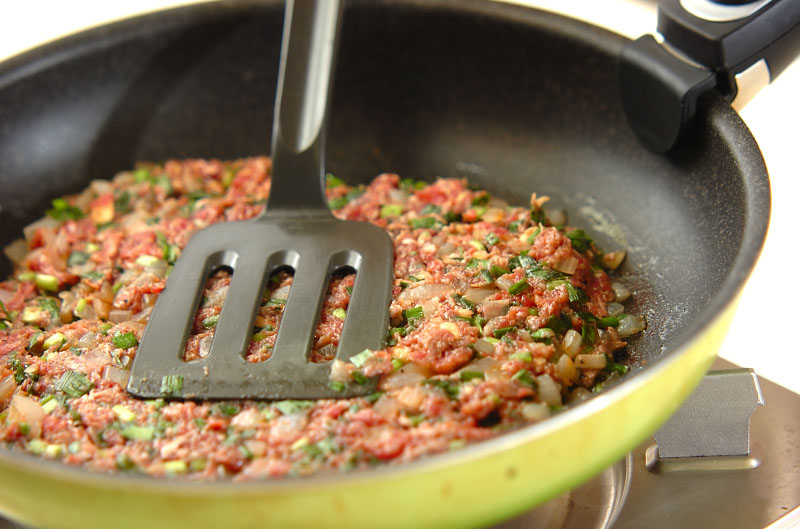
(759, 488)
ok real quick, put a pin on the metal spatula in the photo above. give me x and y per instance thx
(296, 231)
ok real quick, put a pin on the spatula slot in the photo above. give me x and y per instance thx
(270, 313)
(333, 316)
(206, 315)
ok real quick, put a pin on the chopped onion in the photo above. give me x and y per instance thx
(68, 302)
(549, 390)
(26, 410)
(615, 309)
(17, 251)
(612, 260)
(246, 419)
(590, 361)
(565, 369)
(86, 341)
(429, 307)
(445, 250)
(423, 291)
(386, 406)
(477, 295)
(217, 296)
(494, 308)
(505, 282)
(45, 222)
(572, 342)
(86, 312)
(578, 395)
(340, 371)
(158, 268)
(568, 265)
(621, 291)
(486, 365)
(255, 447)
(7, 387)
(534, 411)
(484, 347)
(204, 346)
(282, 292)
(630, 324)
(493, 215)
(557, 216)
(118, 316)
(117, 374)
(407, 375)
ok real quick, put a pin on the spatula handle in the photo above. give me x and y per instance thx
(304, 86)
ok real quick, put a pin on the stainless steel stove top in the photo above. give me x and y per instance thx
(756, 491)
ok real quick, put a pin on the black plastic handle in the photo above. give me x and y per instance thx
(304, 84)
(733, 47)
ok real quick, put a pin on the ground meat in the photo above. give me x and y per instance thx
(487, 298)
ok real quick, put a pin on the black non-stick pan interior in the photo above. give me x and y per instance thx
(514, 100)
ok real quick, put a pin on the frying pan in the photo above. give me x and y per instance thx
(516, 100)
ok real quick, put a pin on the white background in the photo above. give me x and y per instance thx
(763, 334)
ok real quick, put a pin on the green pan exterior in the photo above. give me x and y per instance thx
(472, 487)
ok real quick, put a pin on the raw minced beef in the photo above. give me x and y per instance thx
(498, 319)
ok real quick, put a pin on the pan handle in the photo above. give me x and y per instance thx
(734, 46)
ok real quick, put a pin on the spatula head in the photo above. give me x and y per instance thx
(315, 248)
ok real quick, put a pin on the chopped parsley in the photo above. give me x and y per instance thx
(124, 340)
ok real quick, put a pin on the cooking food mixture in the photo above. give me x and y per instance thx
(499, 319)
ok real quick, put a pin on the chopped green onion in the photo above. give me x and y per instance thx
(361, 358)
(413, 314)
(287, 407)
(610, 321)
(172, 385)
(359, 378)
(74, 384)
(524, 356)
(423, 222)
(175, 467)
(123, 413)
(55, 340)
(46, 282)
(499, 333)
(124, 340)
(466, 376)
(497, 271)
(391, 210)
(339, 313)
(333, 181)
(62, 210)
(77, 258)
(464, 302)
(580, 240)
(524, 377)
(544, 333)
(337, 386)
(211, 322)
(518, 287)
(491, 239)
(478, 245)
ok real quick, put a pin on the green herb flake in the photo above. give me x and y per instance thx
(614, 367)
(499, 333)
(287, 407)
(210, 322)
(463, 302)
(172, 385)
(466, 376)
(389, 211)
(580, 240)
(518, 287)
(77, 258)
(523, 356)
(414, 314)
(124, 340)
(122, 203)
(333, 181)
(524, 377)
(491, 239)
(450, 388)
(74, 384)
(62, 210)
(362, 358)
(423, 222)
(337, 386)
